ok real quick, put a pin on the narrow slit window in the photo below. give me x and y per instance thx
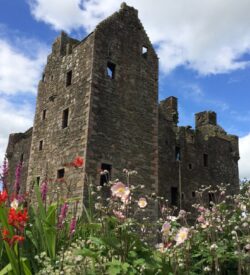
(144, 51)
(40, 145)
(177, 153)
(174, 196)
(65, 118)
(43, 77)
(211, 197)
(111, 70)
(69, 78)
(205, 160)
(44, 114)
(60, 173)
(193, 194)
(37, 180)
(190, 166)
(105, 173)
(21, 157)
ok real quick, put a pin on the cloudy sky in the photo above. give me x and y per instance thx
(203, 46)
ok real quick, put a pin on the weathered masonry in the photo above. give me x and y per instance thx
(98, 98)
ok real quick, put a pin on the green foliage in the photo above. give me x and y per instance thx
(113, 237)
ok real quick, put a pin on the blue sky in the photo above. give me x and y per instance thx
(203, 46)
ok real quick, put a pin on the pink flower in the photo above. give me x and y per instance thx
(201, 219)
(72, 227)
(119, 215)
(62, 216)
(119, 190)
(201, 209)
(44, 190)
(5, 173)
(18, 178)
(165, 228)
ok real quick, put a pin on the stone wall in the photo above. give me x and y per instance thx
(123, 118)
(63, 97)
(190, 158)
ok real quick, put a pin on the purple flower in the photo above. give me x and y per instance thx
(72, 226)
(44, 190)
(5, 173)
(62, 216)
(18, 178)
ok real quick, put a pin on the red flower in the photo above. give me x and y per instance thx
(16, 238)
(18, 219)
(78, 162)
(3, 196)
(13, 240)
(5, 233)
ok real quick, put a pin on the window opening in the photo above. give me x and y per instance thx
(37, 180)
(65, 118)
(144, 51)
(52, 98)
(177, 153)
(193, 194)
(69, 78)
(211, 197)
(60, 173)
(44, 114)
(174, 196)
(21, 157)
(205, 160)
(40, 145)
(190, 166)
(105, 173)
(111, 70)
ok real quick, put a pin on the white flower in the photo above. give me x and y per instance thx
(243, 207)
(172, 218)
(142, 203)
(207, 268)
(213, 246)
(181, 235)
(14, 204)
(98, 206)
(78, 258)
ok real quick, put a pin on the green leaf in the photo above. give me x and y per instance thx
(89, 253)
(25, 266)
(6, 270)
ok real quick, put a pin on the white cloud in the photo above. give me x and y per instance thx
(20, 69)
(14, 119)
(208, 36)
(244, 163)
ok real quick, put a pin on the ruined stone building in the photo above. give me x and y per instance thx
(98, 99)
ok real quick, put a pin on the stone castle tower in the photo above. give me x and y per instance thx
(98, 98)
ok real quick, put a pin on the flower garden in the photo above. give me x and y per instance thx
(114, 235)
